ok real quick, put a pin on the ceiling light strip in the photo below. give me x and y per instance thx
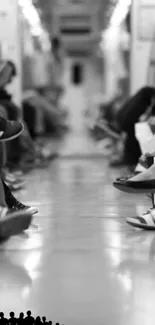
(31, 15)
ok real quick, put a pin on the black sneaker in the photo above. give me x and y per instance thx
(9, 130)
(14, 205)
(13, 223)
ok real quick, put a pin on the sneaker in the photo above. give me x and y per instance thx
(13, 223)
(9, 130)
(14, 205)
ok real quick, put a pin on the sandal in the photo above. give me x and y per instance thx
(145, 222)
(122, 186)
(126, 178)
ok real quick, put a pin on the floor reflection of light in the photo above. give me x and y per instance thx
(34, 241)
(25, 292)
(113, 239)
(112, 211)
(31, 264)
(115, 257)
(126, 281)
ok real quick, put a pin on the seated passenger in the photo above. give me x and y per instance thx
(124, 122)
(14, 217)
(22, 151)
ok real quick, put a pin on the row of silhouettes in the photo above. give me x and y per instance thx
(29, 319)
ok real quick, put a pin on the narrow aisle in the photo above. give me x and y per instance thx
(79, 263)
(78, 142)
(79, 252)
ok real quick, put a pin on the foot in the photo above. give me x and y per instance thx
(143, 161)
(146, 221)
(147, 175)
(9, 130)
(14, 205)
(125, 178)
(13, 223)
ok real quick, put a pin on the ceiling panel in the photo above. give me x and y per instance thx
(103, 7)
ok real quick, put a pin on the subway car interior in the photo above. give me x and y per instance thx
(77, 124)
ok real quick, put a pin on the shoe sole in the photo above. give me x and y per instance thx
(15, 224)
(140, 226)
(126, 189)
(109, 131)
(14, 136)
(32, 211)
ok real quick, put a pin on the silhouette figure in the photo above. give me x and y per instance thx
(13, 319)
(50, 322)
(38, 321)
(21, 320)
(3, 320)
(44, 320)
(77, 73)
(29, 319)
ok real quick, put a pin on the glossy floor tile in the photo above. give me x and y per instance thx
(80, 262)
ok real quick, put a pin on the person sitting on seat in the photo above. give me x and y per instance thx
(124, 122)
(12, 220)
(22, 151)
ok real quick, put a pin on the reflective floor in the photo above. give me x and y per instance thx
(80, 263)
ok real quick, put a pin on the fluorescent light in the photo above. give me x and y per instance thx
(120, 12)
(31, 15)
(36, 31)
